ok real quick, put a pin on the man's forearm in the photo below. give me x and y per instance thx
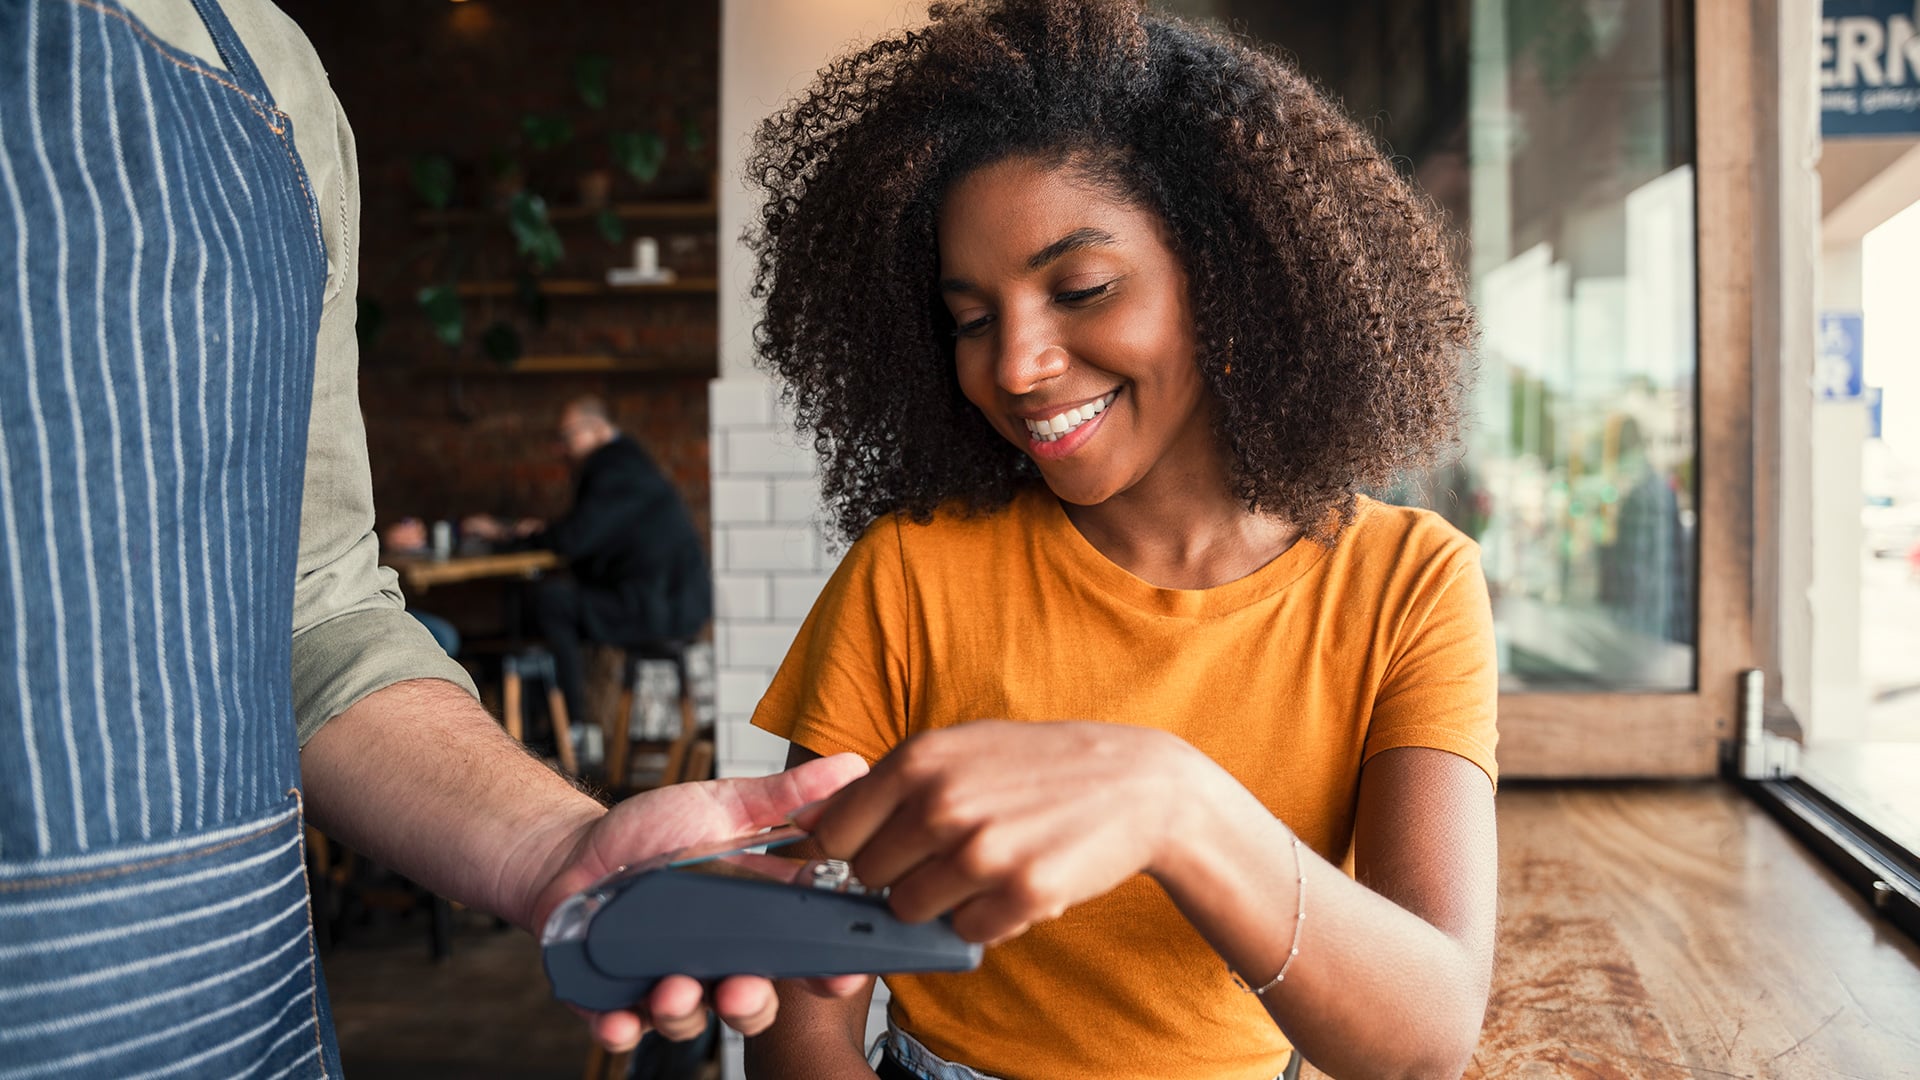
(419, 778)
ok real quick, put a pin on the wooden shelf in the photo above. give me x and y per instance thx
(639, 211)
(690, 286)
(587, 364)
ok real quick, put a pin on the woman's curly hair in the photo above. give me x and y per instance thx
(1330, 318)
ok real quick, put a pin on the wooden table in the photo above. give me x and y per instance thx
(422, 572)
(1676, 932)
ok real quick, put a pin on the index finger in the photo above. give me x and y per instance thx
(845, 823)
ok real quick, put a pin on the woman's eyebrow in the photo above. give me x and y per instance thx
(1073, 241)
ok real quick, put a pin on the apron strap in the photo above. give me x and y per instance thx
(232, 53)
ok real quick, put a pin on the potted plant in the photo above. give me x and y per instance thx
(525, 214)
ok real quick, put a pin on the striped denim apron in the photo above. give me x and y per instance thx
(161, 275)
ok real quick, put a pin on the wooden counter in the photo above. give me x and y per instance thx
(1657, 932)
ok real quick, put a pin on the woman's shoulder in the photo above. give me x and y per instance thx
(958, 535)
(1394, 539)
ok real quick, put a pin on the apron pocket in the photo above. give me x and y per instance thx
(188, 957)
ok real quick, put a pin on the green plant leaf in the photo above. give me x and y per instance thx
(533, 234)
(546, 132)
(590, 78)
(442, 307)
(501, 343)
(609, 225)
(433, 180)
(370, 318)
(692, 137)
(639, 153)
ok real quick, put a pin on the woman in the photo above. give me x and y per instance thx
(1101, 322)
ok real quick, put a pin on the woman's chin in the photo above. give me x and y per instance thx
(1078, 492)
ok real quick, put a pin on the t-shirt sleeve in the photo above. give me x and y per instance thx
(1442, 688)
(844, 684)
(352, 635)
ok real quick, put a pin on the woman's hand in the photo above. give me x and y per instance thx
(1007, 824)
(665, 820)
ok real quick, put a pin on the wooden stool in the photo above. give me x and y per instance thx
(689, 754)
(536, 662)
(689, 757)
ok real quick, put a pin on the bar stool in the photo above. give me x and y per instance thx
(537, 663)
(689, 755)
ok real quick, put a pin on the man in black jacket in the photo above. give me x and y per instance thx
(638, 571)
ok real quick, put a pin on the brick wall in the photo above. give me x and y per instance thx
(455, 80)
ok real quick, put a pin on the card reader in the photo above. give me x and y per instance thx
(733, 909)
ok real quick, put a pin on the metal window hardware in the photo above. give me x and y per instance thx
(1760, 754)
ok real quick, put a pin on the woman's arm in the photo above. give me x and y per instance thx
(1392, 975)
(815, 1035)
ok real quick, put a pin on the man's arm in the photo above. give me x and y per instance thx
(351, 633)
(399, 761)
(418, 777)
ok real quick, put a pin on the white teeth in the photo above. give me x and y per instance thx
(1053, 427)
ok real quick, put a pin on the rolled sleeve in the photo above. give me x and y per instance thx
(351, 633)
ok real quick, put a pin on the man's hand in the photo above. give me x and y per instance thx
(416, 776)
(483, 527)
(670, 818)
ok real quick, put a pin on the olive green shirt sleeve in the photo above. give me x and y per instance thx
(352, 635)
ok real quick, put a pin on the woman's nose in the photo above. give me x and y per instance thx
(1028, 358)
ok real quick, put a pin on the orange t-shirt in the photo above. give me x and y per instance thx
(1290, 679)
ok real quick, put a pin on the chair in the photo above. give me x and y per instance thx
(538, 663)
(689, 754)
(335, 875)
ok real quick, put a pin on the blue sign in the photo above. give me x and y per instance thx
(1837, 359)
(1876, 397)
(1870, 67)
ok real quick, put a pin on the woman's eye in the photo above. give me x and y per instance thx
(1078, 295)
(972, 327)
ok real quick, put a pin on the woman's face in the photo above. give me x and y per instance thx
(1073, 333)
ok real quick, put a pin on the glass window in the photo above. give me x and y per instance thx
(1557, 135)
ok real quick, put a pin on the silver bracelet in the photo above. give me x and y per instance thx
(1300, 871)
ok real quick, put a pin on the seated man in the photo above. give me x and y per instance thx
(639, 572)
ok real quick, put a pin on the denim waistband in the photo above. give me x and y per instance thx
(920, 1061)
(927, 1065)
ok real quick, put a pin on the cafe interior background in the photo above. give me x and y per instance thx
(1694, 235)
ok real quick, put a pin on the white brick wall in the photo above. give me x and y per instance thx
(770, 560)
(742, 500)
(770, 563)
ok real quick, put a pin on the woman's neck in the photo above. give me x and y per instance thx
(1184, 533)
